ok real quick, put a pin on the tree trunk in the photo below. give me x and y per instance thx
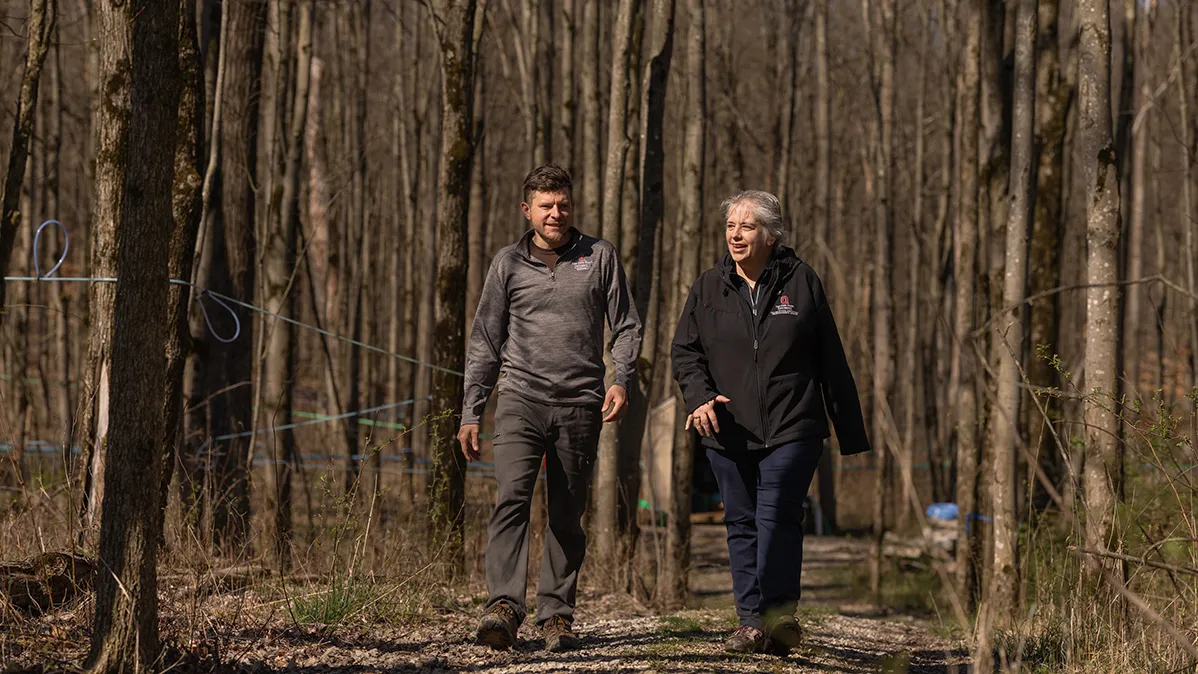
(591, 127)
(604, 524)
(279, 292)
(962, 379)
(409, 167)
(915, 271)
(823, 215)
(42, 16)
(361, 235)
(567, 110)
(675, 579)
(785, 74)
(629, 439)
(1004, 580)
(646, 291)
(476, 265)
(883, 283)
(1054, 97)
(1103, 471)
(455, 32)
(1141, 113)
(187, 208)
(233, 363)
(141, 83)
(63, 353)
(1183, 101)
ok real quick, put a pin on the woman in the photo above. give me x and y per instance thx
(757, 357)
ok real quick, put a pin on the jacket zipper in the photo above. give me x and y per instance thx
(765, 436)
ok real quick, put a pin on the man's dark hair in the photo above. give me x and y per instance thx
(547, 178)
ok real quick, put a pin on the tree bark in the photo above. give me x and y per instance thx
(883, 283)
(962, 379)
(823, 215)
(785, 73)
(140, 78)
(455, 31)
(187, 207)
(646, 272)
(230, 365)
(675, 579)
(1141, 114)
(1187, 162)
(42, 17)
(604, 524)
(915, 271)
(63, 352)
(567, 110)
(1103, 470)
(591, 127)
(1054, 98)
(280, 294)
(1004, 580)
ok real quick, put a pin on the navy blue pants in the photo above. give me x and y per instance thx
(763, 494)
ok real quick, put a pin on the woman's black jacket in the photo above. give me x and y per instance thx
(779, 369)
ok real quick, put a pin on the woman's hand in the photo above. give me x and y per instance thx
(703, 418)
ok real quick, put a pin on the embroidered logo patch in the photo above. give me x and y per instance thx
(784, 308)
(582, 264)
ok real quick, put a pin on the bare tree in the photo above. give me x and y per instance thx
(278, 279)
(42, 17)
(568, 112)
(139, 66)
(823, 210)
(646, 270)
(1183, 102)
(187, 208)
(1103, 471)
(454, 21)
(962, 379)
(1004, 579)
(786, 74)
(883, 50)
(588, 80)
(228, 267)
(1054, 99)
(1140, 114)
(677, 561)
(607, 470)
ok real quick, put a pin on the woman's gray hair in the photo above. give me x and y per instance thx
(766, 207)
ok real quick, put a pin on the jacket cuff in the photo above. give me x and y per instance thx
(695, 400)
(856, 443)
(622, 379)
(472, 414)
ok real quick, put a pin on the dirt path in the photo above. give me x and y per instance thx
(619, 637)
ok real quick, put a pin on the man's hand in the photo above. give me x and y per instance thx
(615, 404)
(703, 418)
(468, 438)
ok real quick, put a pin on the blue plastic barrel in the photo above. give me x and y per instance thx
(942, 511)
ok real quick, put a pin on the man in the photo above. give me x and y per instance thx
(538, 332)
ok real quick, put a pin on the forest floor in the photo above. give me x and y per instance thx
(246, 634)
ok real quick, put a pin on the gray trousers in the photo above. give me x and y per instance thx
(568, 439)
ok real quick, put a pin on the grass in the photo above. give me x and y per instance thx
(332, 606)
(1042, 651)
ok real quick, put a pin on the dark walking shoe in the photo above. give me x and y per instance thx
(783, 636)
(498, 627)
(559, 635)
(745, 639)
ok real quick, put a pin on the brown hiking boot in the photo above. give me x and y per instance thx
(559, 635)
(745, 639)
(498, 627)
(784, 634)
